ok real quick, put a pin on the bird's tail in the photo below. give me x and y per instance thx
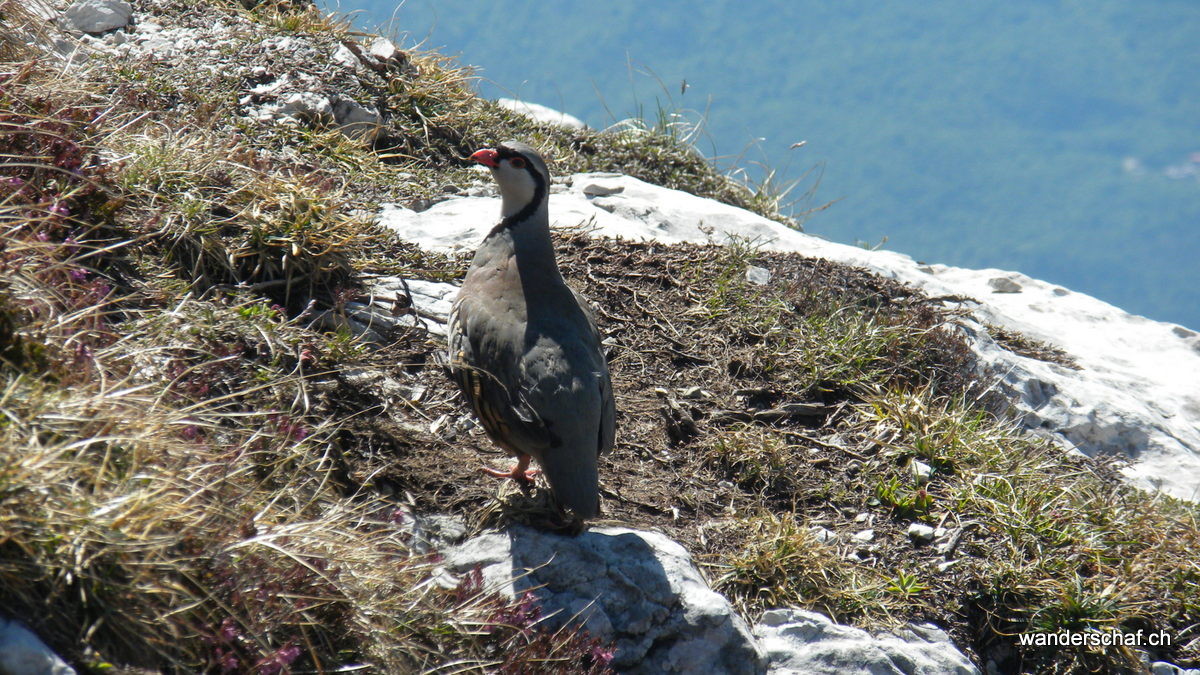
(575, 484)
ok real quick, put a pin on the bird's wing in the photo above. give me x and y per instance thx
(608, 407)
(488, 379)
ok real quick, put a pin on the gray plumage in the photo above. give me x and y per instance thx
(524, 348)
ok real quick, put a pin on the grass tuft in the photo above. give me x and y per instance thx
(782, 564)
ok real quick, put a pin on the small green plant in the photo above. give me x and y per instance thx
(288, 17)
(1078, 605)
(259, 311)
(905, 503)
(905, 584)
(342, 345)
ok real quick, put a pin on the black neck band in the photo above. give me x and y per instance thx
(539, 195)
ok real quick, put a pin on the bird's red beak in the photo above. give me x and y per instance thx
(486, 157)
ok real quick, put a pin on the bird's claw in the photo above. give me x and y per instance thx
(518, 472)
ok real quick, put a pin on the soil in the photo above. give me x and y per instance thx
(682, 378)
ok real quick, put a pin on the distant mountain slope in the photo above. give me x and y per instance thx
(1023, 135)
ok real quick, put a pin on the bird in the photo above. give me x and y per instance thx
(524, 348)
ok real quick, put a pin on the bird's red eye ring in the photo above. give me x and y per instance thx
(517, 163)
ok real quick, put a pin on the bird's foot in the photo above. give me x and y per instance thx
(520, 471)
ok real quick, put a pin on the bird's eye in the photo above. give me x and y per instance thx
(517, 163)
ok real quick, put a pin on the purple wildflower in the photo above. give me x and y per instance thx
(522, 615)
(602, 654)
(279, 661)
(228, 661)
(229, 631)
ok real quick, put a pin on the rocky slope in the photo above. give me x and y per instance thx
(1106, 382)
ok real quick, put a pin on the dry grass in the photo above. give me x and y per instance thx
(168, 496)
(779, 562)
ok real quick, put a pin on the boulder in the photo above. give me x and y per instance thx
(97, 16)
(22, 653)
(639, 590)
(798, 642)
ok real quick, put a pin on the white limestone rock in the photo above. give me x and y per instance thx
(1135, 394)
(921, 471)
(308, 107)
(411, 302)
(638, 589)
(97, 16)
(23, 653)
(758, 275)
(357, 121)
(798, 642)
(863, 537)
(345, 57)
(540, 113)
(385, 51)
(921, 533)
(823, 535)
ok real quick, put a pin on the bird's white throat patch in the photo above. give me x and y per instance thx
(517, 188)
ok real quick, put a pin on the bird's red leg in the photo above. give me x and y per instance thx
(519, 472)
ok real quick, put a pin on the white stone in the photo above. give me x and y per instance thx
(920, 533)
(638, 589)
(798, 642)
(42, 10)
(357, 121)
(1136, 394)
(863, 536)
(431, 301)
(921, 471)
(71, 51)
(307, 107)
(23, 653)
(1164, 668)
(758, 275)
(540, 113)
(97, 16)
(823, 535)
(344, 56)
(596, 190)
(383, 49)
(270, 88)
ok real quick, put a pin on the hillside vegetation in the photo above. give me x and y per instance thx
(202, 468)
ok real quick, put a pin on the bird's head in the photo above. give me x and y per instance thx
(521, 174)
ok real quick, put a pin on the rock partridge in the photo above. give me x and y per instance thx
(524, 348)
